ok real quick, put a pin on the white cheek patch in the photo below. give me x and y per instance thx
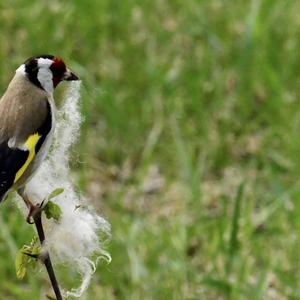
(44, 75)
(44, 62)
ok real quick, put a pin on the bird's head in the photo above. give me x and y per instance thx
(46, 71)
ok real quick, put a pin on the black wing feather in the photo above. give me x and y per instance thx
(11, 161)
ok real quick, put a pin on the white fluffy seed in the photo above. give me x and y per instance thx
(75, 239)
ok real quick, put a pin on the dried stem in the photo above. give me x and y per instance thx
(46, 260)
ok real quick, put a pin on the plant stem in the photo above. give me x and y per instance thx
(47, 261)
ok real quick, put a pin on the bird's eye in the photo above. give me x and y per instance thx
(55, 71)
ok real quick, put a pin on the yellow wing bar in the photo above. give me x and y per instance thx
(30, 144)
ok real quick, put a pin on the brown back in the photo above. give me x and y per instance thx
(23, 108)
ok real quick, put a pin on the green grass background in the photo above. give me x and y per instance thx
(190, 145)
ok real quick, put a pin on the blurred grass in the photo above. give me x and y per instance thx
(184, 101)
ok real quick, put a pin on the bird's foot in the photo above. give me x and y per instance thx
(34, 210)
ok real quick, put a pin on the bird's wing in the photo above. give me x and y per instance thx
(20, 142)
(11, 161)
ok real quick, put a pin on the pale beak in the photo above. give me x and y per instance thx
(69, 76)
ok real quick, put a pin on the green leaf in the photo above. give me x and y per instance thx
(32, 251)
(55, 193)
(52, 210)
(26, 258)
(235, 226)
(20, 265)
(50, 297)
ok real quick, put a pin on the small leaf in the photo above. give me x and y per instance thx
(50, 297)
(20, 265)
(26, 258)
(52, 210)
(34, 240)
(55, 193)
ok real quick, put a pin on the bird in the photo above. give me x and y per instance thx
(27, 121)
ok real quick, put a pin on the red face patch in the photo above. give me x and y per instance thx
(58, 69)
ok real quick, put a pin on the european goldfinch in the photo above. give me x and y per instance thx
(27, 119)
